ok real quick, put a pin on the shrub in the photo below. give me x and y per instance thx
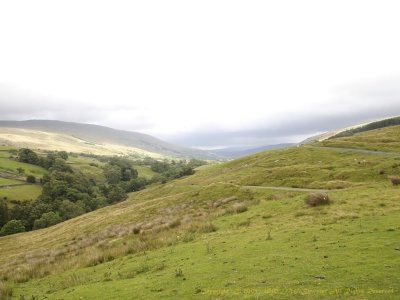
(317, 199)
(395, 180)
(174, 223)
(11, 227)
(31, 179)
(69, 210)
(136, 230)
(46, 220)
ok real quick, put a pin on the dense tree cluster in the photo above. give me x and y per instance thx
(65, 194)
(168, 170)
(29, 156)
(68, 193)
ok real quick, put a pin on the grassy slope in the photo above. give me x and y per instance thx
(89, 138)
(6, 181)
(350, 247)
(44, 140)
(302, 167)
(384, 139)
(92, 167)
(145, 171)
(24, 193)
(8, 168)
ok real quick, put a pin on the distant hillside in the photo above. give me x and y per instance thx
(77, 137)
(351, 130)
(371, 126)
(381, 139)
(236, 152)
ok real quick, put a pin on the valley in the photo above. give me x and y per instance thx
(214, 234)
(199, 150)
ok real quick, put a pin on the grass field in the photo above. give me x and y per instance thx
(349, 248)
(23, 193)
(9, 165)
(8, 168)
(88, 166)
(4, 153)
(6, 181)
(208, 237)
(144, 171)
(302, 167)
(92, 167)
(384, 139)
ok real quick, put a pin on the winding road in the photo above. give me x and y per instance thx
(285, 188)
(355, 150)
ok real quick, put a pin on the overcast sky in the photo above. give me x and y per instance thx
(202, 73)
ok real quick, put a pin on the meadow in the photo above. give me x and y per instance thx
(384, 139)
(20, 193)
(206, 236)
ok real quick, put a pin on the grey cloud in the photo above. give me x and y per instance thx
(361, 102)
(351, 104)
(18, 104)
(294, 130)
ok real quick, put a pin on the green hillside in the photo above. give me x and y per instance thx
(213, 235)
(382, 139)
(370, 126)
(13, 185)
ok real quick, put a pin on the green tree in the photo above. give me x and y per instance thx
(185, 171)
(11, 227)
(115, 194)
(63, 155)
(4, 213)
(28, 156)
(21, 210)
(46, 220)
(69, 210)
(112, 173)
(135, 184)
(60, 165)
(20, 171)
(31, 179)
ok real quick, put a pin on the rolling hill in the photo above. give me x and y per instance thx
(88, 138)
(370, 126)
(351, 130)
(238, 152)
(382, 139)
(238, 230)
